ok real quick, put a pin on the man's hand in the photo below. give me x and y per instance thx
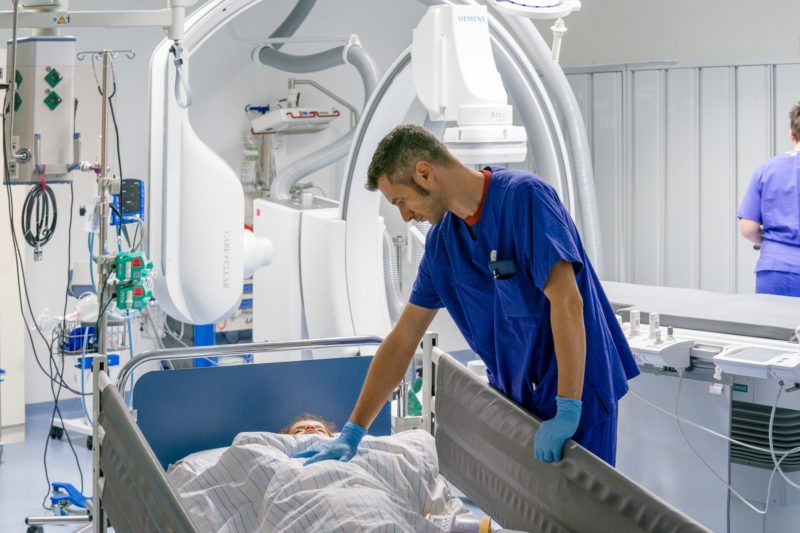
(342, 448)
(553, 433)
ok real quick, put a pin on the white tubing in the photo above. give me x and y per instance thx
(577, 139)
(297, 170)
(391, 279)
(293, 21)
(419, 234)
(287, 178)
(301, 64)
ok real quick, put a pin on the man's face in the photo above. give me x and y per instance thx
(308, 427)
(413, 204)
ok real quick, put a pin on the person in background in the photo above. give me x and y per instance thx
(505, 258)
(770, 217)
(310, 425)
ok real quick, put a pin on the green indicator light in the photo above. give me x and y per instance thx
(52, 101)
(18, 79)
(53, 78)
(17, 102)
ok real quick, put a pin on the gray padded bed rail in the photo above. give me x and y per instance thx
(136, 495)
(485, 446)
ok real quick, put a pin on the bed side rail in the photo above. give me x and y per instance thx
(129, 483)
(485, 446)
(192, 352)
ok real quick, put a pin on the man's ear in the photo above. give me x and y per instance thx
(424, 175)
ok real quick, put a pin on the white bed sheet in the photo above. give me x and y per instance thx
(255, 486)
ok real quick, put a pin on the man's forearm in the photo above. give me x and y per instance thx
(385, 373)
(569, 339)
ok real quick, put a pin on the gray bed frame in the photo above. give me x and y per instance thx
(484, 442)
(485, 446)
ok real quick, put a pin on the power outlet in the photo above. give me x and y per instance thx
(13, 166)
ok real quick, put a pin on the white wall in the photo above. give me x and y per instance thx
(626, 31)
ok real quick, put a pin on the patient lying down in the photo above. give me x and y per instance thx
(254, 485)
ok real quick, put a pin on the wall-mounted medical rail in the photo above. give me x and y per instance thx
(191, 352)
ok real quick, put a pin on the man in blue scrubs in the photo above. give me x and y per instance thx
(505, 259)
(770, 217)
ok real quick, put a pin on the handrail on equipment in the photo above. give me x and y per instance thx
(192, 352)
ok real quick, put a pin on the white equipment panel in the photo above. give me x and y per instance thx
(759, 363)
(670, 352)
(44, 105)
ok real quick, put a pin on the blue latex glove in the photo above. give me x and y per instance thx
(553, 433)
(342, 448)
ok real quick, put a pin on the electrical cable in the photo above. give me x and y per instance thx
(771, 444)
(135, 234)
(40, 200)
(121, 226)
(178, 338)
(90, 240)
(57, 409)
(60, 372)
(130, 348)
(180, 77)
(54, 371)
(698, 426)
(22, 283)
(116, 130)
(83, 364)
(142, 226)
(679, 419)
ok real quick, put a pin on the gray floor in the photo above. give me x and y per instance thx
(22, 478)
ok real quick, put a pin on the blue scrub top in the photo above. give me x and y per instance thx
(773, 200)
(507, 321)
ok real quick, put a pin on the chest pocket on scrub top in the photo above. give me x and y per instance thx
(512, 289)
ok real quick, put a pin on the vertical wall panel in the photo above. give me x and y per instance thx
(607, 159)
(647, 179)
(674, 148)
(753, 142)
(787, 95)
(682, 181)
(717, 230)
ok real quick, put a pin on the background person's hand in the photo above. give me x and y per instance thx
(553, 433)
(342, 448)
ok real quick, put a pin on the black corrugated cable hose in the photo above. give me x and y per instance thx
(41, 204)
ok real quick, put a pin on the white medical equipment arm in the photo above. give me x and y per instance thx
(456, 79)
(40, 14)
(196, 209)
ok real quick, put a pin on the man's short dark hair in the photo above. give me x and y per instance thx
(794, 118)
(400, 150)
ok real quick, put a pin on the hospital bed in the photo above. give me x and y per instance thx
(483, 441)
